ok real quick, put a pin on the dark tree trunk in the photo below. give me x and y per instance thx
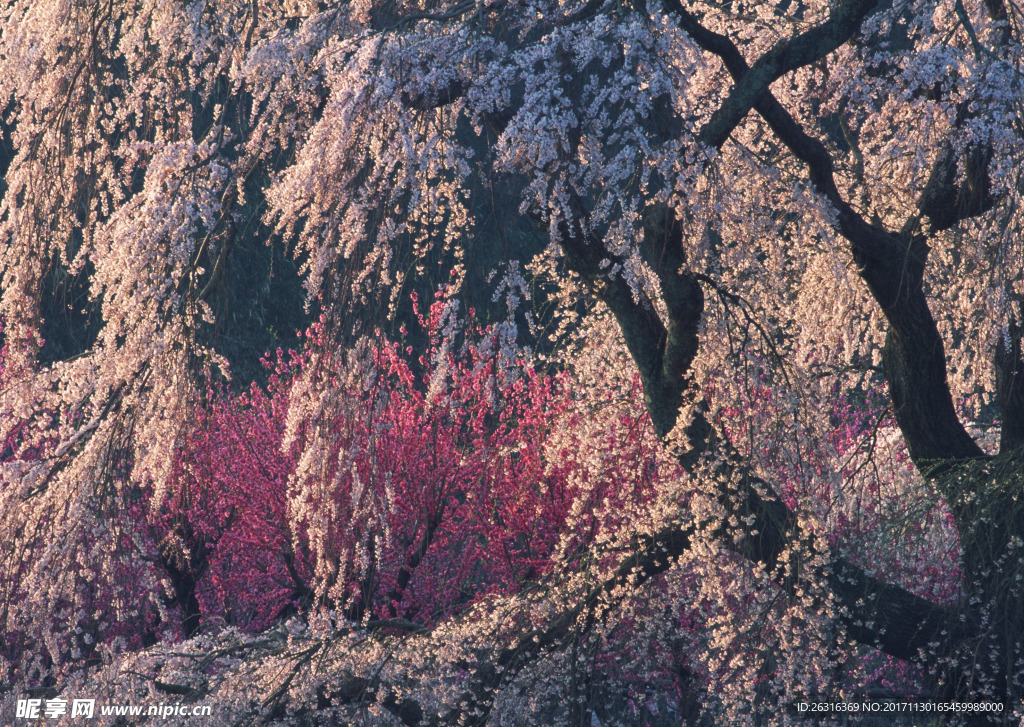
(1009, 367)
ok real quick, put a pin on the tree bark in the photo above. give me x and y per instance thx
(1009, 366)
(892, 265)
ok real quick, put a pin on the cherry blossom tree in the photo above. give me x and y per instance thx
(772, 214)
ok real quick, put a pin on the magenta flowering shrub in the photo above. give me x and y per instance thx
(450, 484)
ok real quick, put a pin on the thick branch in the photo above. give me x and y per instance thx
(413, 561)
(891, 264)
(751, 86)
(1009, 367)
(663, 353)
(434, 97)
(876, 613)
(948, 203)
(680, 291)
(945, 201)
